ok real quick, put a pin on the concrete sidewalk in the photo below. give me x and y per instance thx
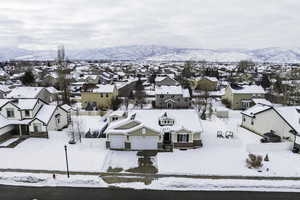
(199, 176)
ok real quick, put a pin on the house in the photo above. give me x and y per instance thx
(99, 97)
(239, 97)
(160, 130)
(4, 90)
(282, 121)
(165, 80)
(205, 83)
(30, 117)
(30, 93)
(172, 97)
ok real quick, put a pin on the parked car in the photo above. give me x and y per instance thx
(270, 137)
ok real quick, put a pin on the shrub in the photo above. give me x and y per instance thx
(254, 161)
(226, 103)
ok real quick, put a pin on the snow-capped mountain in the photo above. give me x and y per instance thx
(161, 53)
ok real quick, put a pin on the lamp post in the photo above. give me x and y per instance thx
(66, 153)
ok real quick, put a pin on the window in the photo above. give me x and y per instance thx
(101, 95)
(57, 117)
(27, 113)
(252, 122)
(161, 96)
(244, 118)
(10, 113)
(183, 138)
(37, 127)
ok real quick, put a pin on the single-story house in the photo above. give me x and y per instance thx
(160, 130)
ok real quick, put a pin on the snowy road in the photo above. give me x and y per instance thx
(61, 193)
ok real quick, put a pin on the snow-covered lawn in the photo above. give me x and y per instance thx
(220, 156)
(49, 154)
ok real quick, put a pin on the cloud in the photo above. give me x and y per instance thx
(36, 24)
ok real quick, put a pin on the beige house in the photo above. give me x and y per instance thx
(205, 83)
(240, 97)
(100, 97)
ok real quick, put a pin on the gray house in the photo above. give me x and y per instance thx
(165, 80)
(172, 97)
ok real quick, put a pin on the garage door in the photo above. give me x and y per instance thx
(117, 141)
(144, 142)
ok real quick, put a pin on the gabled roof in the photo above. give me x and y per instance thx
(104, 89)
(45, 113)
(25, 92)
(254, 110)
(149, 118)
(247, 89)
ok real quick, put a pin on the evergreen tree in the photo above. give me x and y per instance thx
(265, 82)
(28, 78)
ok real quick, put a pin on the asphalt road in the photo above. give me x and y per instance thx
(62, 193)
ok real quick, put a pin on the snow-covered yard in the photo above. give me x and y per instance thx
(49, 154)
(221, 156)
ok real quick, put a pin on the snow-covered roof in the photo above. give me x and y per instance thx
(52, 90)
(26, 104)
(214, 79)
(171, 90)
(66, 107)
(104, 89)
(261, 101)
(248, 89)
(25, 92)
(256, 109)
(184, 119)
(45, 113)
(5, 88)
(291, 115)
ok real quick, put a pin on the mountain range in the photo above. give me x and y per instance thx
(160, 53)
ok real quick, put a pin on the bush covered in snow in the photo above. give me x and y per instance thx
(254, 161)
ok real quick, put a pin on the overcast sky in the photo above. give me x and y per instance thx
(43, 24)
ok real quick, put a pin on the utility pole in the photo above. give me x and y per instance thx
(67, 162)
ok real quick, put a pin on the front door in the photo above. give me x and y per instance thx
(169, 105)
(167, 138)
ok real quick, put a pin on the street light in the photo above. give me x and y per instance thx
(66, 153)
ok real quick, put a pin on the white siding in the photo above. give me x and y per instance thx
(266, 121)
(17, 113)
(44, 129)
(53, 125)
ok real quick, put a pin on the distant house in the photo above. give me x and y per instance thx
(30, 117)
(160, 130)
(205, 83)
(30, 93)
(4, 90)
(99, 97)
(172, 97)
(240, 97)
(282, 121)
(165, 80)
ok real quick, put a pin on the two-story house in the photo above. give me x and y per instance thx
(98, 97)
(172, 97)
(31, 93)
(240, 96)
(31, 117)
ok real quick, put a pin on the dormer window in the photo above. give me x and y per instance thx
(166, 121)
